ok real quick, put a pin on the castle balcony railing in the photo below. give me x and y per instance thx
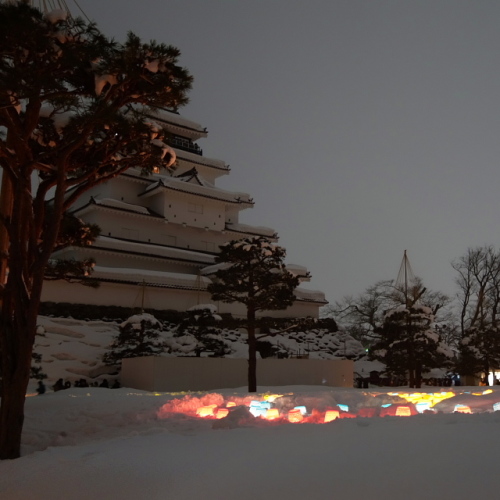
(185, 145)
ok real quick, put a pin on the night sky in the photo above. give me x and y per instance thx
(360, 128)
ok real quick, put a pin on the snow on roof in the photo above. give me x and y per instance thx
(245, 228)
(175, 119)
(309, 295)
(213, 269)
(297, 270)
(200, 160)
(190, 175)
(153, 250)
(181, 184)
(150, 277)
(110, 202)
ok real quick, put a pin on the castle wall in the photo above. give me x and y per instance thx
(170, 374)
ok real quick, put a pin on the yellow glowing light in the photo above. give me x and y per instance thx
(425, 397)
(463, 409)
(272, 414)
(487, 391)
(206, 411)
(272, 397)
(230, 404)
(403, 411)
(331, 415)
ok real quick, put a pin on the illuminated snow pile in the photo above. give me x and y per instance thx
(324, 407)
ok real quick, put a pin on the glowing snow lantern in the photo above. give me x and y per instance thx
(496, 407)
(403, 411)
(206, 411)
(302, 409)
(331, 415)
(462, 409)
(221, 413)
(295, 415)
(272, 414)
(259, 408)
(343, 407)
(423, 406)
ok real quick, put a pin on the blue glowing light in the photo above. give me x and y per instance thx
(259, 408)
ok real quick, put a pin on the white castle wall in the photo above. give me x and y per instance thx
(169, 374)
(133, 296)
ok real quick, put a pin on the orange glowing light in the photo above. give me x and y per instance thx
(206, 411)
(463, 409)
(230, 404)
(221, 413)
(272, 414)
(331, 415)
(295, 416)
(403, 411)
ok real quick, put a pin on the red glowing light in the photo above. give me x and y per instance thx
(295, 416)
(463, 409)
(331, 415)
(367, 412)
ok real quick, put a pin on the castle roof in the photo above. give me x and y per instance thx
(191, 183)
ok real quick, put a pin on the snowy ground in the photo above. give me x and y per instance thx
(95, 443)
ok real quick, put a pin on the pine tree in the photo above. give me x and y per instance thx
(252, 272)
(479, 350)
(71, 116)
(139, 336)
(201, 322)
(408, 345)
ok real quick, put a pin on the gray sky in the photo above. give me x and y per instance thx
(360, 128)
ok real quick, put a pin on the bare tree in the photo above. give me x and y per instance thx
(478, 297)
(360, 315)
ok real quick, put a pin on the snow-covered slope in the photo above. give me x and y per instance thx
(72, 349)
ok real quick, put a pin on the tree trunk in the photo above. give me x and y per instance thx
(16, 364)
(418, 376)
(252, 351)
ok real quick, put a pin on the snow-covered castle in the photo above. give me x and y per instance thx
(159, 233)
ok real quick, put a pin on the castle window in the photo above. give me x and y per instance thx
(170, 240)
(197, 209)
(209, 246)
